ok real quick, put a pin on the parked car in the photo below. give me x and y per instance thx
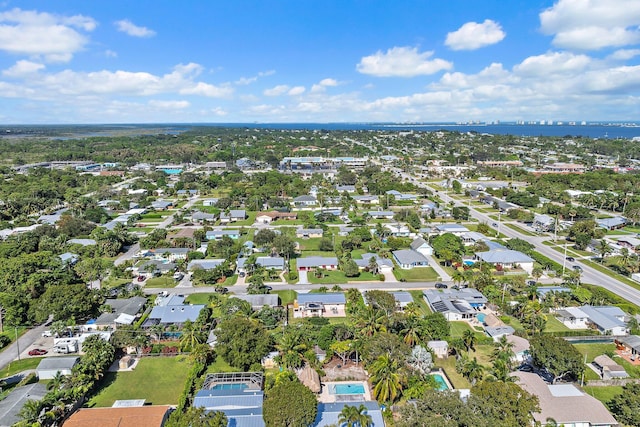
(37, 352)
(440, 285)
(47, 334)
(221, 289)
(269, 288)
(178, 275)
(141, 278)
(577, 268)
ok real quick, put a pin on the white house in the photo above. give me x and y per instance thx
(408, 259)
(320, 305)
(420, 245)
(506, 258)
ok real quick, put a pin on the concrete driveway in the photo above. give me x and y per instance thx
(302, 278)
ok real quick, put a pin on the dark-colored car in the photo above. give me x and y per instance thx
(221, 290)
(141, 278)
(37, 352)
(577, 268)
(570, 259)
(440, 285)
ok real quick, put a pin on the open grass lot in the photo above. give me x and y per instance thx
(421, 274)
(199, 298)
(159, 380)
(458, 328)
(554, 325)
(419, 299)
(317, 253)
(19, 366)
(333, 276)
(220, 366)
(161, 282)
(594, 350)
(286, 297)
(603, 394)
(311, 244)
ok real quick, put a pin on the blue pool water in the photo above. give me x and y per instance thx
(234, 386)
(442, 384)
(348, 389)
(172, 171)
(480, 317)
(468, 262)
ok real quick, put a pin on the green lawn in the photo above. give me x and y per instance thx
(591, 351)
(221, 366)
(161, 282)
(334, 276)
(418, 274)
(449, 365)
(458, 328)
(159, 380)
(19, 366)
(419, 299)
(312, 244)
(520, 230)
(604, 394)
(199, 298)
(554, 325)
(286, 297)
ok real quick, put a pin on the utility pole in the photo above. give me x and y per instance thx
(17, 342)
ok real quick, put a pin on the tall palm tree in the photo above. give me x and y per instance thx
(292, 348)
(474, 371)
(387, 378)
(412, 330)
(469, 339)
(371, 320)
(352, 416)
(191, 336)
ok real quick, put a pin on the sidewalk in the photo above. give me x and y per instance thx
(444, 276)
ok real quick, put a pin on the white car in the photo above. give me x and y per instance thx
(47, 334)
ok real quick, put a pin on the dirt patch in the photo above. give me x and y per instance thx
(336, 371)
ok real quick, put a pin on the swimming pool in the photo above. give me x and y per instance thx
(480, 317)
(347, 389)
(172, 171)
(442, 383)
(232, 386)
(468, 262)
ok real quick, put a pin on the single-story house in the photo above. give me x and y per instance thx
(171, 254)
(455, 304)
(305, 200)
(631, 343)
(506, 258)
(123, 311)
(384, 264)
(631, 243)
(497, 332)
(258, 301)
(268, 262)
(609, 320)
(198, 216)
(611, 223)
(205, 264)
(267, 217)
(543, 222)
(473, 237)
(408, 259)
(83, 242)
(308, 233)
(347, 188)
(161, 205)
(366, 199)
(219, 234)
(543, 291)
(564, 403)
(403, 299)
(344, 230)
(439, 347)
(209, 202)
(329, 413)
(155, 267)
(401, 196)
(239, 395)
(50, 366)
(69, 258)
(233, 216)
(520, 348)
(420, 245)
(171, 310)
(398, 230)
(313, 262)
(126, 416)
(456, 229)
(320, 305)
(381, 214)
(608, 368)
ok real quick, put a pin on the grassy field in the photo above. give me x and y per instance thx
(520, 229)
(199, 298)
(603, 394)
(339, 277)
(221, 366)
(19, 366)
(554, 325)
(159, 380)
(161, 282)
(421, 274)
(418, 299)
(286, 297)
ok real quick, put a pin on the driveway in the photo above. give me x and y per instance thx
(302, 278)
(389, 277)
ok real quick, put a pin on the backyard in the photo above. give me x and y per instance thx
(158, 380)
(418, 274)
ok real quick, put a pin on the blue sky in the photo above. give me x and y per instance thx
(318, 61)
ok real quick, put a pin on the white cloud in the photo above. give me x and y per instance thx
(277, 90)
(402, 62)
(322, 85)
(129, 28)
(328, 82)
(473, 35)
(23, 68)
(624, 54)
(242, 81)
(171, 105)
(40, 34)
(592, 24)
(296, 90)
(552, 63)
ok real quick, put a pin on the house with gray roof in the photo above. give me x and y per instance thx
(161, 205)
(308, 233)
(313, 262)
(329, 413)
(408, 259)
(403, 299)
(305, 200)
(420, 245)
(383, 264)
(258, 301)
(543, 222)
(506, 258)
(608, 320)
(330, 304)
(82, 242)
(455, 304)
(199, 216)
(171, 310)
(268, 262)
(381, 214)
(233, 216)
(219, 234)
(368, 199)
(611, 223)
(50, 366)
(456, 229)
(205, 264)
(129, 307)
(171, 254)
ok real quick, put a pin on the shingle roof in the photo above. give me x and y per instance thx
(260, 300)
(409, 256)
(316, 261)
(137, 416)
(328, 413)
(58, 363)
(503, 256)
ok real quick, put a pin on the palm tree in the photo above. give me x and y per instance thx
(387, 379)
(603, 249)
(352, 416)
(191, 336)
(504, 351)
(30, 411)
(469, 339)
(457, 277)
(371, 320)
(474, 371)
(292, 348)
(412, 330)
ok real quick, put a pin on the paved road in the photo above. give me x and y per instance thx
(10, 353)
(589, 275)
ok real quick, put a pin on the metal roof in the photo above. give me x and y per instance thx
(503, 256)
(316, 261)
(328, 298)
(58, 363)
(176, 313)
(409, 256)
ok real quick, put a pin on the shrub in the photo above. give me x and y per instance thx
(4, 341)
